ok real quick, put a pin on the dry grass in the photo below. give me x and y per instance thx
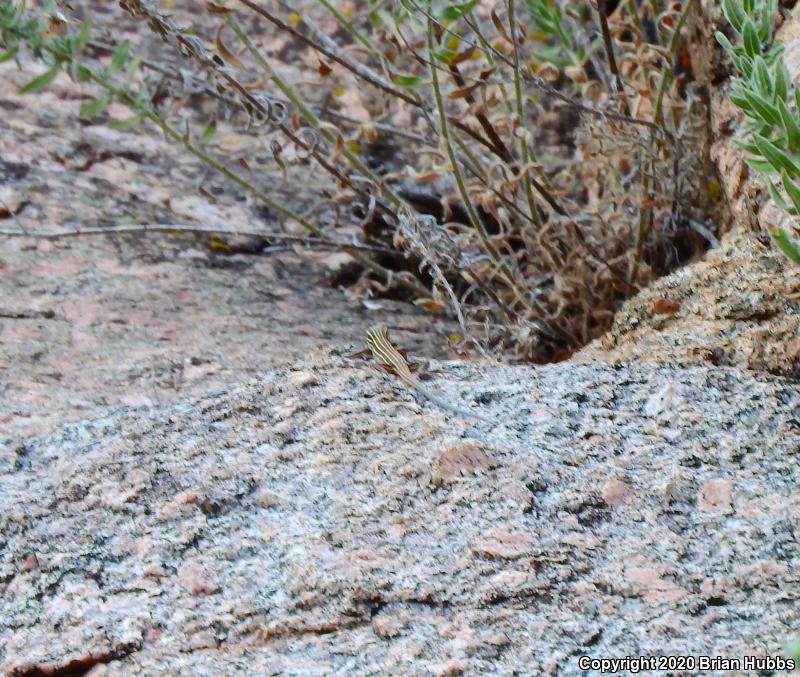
(534, 165)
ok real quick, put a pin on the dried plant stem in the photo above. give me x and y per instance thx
(210, 91)
(169, 228)
(669, 70)
(350, 28)
(646, 214)
(395, 199)
(474, 165)
(495, 145)
(473, 215)
(487, 52)
(474, 218)
(454, 121)
(329, 49)
(538, 82)
(286, 211)
(289, 93)
(165, 27)
(524, 155)
(498, 147)
(243, 183)
(190, 46)
(357, 69)
(612, 60)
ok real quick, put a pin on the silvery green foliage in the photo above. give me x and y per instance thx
(766, 95)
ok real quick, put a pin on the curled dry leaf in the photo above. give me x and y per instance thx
(427, 177)
(229, 56)
(462, 92)
(56, 25)
(548, 72)
(277, 149)
(253, 85)
(522, 33)
(368, 133)
(577, 74)
(338, 147)
(501, 29)
(466, 55)
(432, 306)
(214, 8)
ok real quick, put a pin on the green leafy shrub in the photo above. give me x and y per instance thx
(771, 102)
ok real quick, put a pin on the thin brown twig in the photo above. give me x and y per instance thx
(361, 72)
(540, 83)
(608, 45)
(499, 147)
(168, 228)
(356, 69)
(190, 46)
(210, 91)
(494, 143)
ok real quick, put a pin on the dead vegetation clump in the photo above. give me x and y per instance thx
(526, 167)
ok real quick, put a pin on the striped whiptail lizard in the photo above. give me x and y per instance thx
(386, 355)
